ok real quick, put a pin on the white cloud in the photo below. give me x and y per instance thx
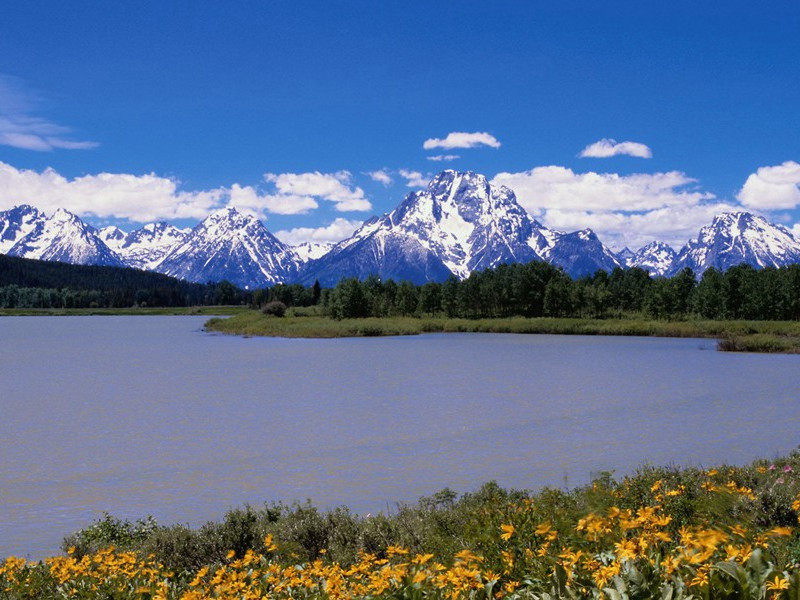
(771, 188)
(462, 139)
(149, 197)
(338, 230)
(414, 178)
(21, 128)
(248, 198)
(119, 195)
(381, 176)
(624, 210)
(795, 229)
(608, 147)
(334, 187)
(443, 157)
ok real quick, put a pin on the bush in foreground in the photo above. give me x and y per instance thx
(727, 532)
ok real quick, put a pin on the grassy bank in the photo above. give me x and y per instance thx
(726, 532)
(179, 310)
(744, 336)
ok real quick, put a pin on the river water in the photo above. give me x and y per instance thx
(152, 416)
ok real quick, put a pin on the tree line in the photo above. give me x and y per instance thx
(26, 283)
(538, 289)
(535, 289)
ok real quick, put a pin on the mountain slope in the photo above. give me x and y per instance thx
(579, 253)
(233, 246)
(144, 248)
(307, 251)
(736, 238)
(63, 237)
(16, 223)
(459, 224)
(657, 258)
(625, 256)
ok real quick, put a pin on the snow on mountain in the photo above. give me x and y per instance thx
(459, 224)
(579, 253)
(625, 256)
(307, 251)
(63, 237)
(233, 246)
(735, 238)
(16, 223)
(656, 257)
(112, 236)
(144, 248)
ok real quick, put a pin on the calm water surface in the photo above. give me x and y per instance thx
(150, 415)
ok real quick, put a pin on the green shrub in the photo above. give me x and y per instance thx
(276, 308)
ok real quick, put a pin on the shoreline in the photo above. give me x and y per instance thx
(771, 337)
(224, 310)
(779, 337)
(728, 523)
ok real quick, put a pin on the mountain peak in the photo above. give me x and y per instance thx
(231, 245)
(64, 237)
(656, 257)
(16, 223)
(735, 238)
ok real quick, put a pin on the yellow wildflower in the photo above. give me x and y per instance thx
(508, 531)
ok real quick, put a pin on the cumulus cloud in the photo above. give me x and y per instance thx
(149, 197)
(462, 139)
(249, 199)
(443, 157)
(336, 231)
(334, 187)
(772, 188)
(624, 210)
(414, 178)
(117, 195)
(21, 128)
(608, 147)
(381, 176)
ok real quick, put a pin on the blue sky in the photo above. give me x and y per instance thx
(125, 112)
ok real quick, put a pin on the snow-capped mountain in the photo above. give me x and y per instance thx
(656, 257)
(625, 256)
(735, 238)
(459, 224)
(112, 236)
(307, 251)
(144, 248)
(579, 253)
(16, 223)
(63, 237)
(233, 246)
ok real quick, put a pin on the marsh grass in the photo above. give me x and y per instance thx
(742, 336)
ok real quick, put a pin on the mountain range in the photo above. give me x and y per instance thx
(459, 224)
